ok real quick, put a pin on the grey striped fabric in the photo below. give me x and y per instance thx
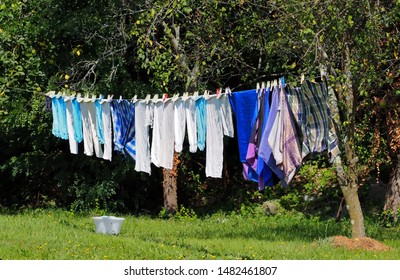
(309, 106)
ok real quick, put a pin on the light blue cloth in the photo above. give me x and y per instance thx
(59, 111)
(99, 121)
(77, 120)
(123, 116)
(201, 123)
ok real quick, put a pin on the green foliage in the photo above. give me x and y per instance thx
(314, 190)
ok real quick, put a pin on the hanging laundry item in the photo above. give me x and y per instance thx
(279, 146)
(167, 135)
(77, 120)
(265, 175)
(47, 103)
(244, 105)
(123, 116)
(155, 152)
(201, 123)
(219, 123)
(99, 121)
(179, 124)
(90, 137)
(60, 128)
(190, 111)
(73, 144)
(309, 105)
(107, 128)
(143, 121)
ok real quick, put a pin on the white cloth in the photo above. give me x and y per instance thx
(86, 130)
(156, 136)
(226, 116)
(179, 124)
(90, 138)
(73, 144)
(107, 129)
(190, 110)
(167, 136)
(142, 126)
(219, 123)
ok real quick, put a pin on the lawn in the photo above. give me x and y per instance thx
(62, 235)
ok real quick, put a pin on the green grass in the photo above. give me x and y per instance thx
(61, 235)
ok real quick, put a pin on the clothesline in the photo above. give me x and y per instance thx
(269, 146)
(165, 96)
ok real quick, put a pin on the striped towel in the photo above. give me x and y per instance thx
(123, 116)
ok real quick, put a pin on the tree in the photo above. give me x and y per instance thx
(346, 37)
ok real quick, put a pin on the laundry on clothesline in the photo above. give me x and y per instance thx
(276, 125)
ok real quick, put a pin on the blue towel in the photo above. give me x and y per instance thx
(243, 105)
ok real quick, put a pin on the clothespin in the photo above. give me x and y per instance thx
(93, 99)
(155, 98)
(86, 98)
(258, 86)
(175, 97)
(134, 99)
(185, 96)
(165, 97)
(263, 85)
(196, 93)
(50, 93)
(79, 98)
(218, 92)
(120, 98)
(206, 94)
(302, 78)
(268, 84)
(147, 99)
(228, 91)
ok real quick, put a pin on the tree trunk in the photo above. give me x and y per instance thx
(353, 206)
(170, 186)
(348, 179)
(393, 193)
(170, 180)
